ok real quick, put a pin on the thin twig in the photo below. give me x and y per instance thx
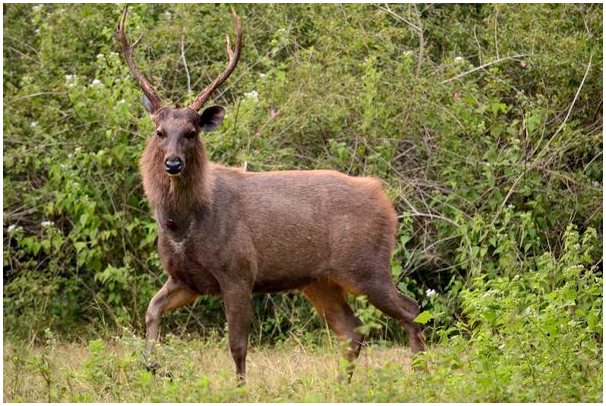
(576, 96)
(344, 14)
(536, 160)
(496, 39)
(475, 35)
(24, 55)
(35, 95)
(416, 213)
(504, 202)
(460, 75)
(185, 63)
(21, 41)
(416, 27)
(399, 17)
(16, 214)
(421, 40)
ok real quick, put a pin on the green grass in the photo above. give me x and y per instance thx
(112, 371)
(292, 371)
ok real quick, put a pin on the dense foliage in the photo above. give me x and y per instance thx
(484, 121)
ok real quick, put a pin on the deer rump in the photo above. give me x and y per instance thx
(281, 230)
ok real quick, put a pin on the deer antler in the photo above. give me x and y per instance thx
(127, 50)
(233, 55)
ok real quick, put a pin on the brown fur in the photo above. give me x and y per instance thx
(229, 232)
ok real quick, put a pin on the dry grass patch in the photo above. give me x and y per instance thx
(192, 370)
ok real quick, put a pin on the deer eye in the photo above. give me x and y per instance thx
(160, 134)
(191, 135)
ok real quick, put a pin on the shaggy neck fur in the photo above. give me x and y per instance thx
(190, 191)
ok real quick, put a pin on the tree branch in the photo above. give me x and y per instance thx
(418, 29)
(399, 17)
(460, 75)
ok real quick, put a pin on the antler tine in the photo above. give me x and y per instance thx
(233, 55)
(127, 50)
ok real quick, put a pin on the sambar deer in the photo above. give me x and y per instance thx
(228, 232)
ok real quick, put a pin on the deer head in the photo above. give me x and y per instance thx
(177, 128)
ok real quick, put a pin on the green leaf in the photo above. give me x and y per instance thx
(496, 107)
(423, 317)
(404, 239)
(79, 245)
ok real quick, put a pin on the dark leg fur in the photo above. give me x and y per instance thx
(384, 295)
(238, 309)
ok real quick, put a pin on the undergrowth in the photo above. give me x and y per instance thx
(530, 338)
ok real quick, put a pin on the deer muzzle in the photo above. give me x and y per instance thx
(174, 165)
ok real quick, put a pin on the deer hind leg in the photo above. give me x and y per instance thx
(329, 301)
(383, 294)
(172, 295)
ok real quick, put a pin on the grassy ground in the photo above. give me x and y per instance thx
(202, 371)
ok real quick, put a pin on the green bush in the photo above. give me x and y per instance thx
(533, 336)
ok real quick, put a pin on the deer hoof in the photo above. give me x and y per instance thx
(152, 366)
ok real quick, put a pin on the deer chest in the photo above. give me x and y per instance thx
(183, 260)
(182, 253)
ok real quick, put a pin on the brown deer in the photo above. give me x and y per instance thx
(227, 232)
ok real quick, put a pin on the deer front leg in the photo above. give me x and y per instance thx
(238, 310)
(172, 295)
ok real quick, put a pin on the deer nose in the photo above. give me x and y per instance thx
(173, 165)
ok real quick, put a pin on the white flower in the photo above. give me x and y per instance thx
(69, 77)
(95, 82)
(430, 292)
(262, 75)
(253, 94)
(13, 228)
(47, 223)
(33, 124)
(100, 56)
(122, 101)
(459, 59)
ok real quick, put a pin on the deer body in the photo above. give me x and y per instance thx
(233, 233)
(277, 230)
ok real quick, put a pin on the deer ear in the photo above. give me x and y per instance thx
(147, 104)
(211, 118)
